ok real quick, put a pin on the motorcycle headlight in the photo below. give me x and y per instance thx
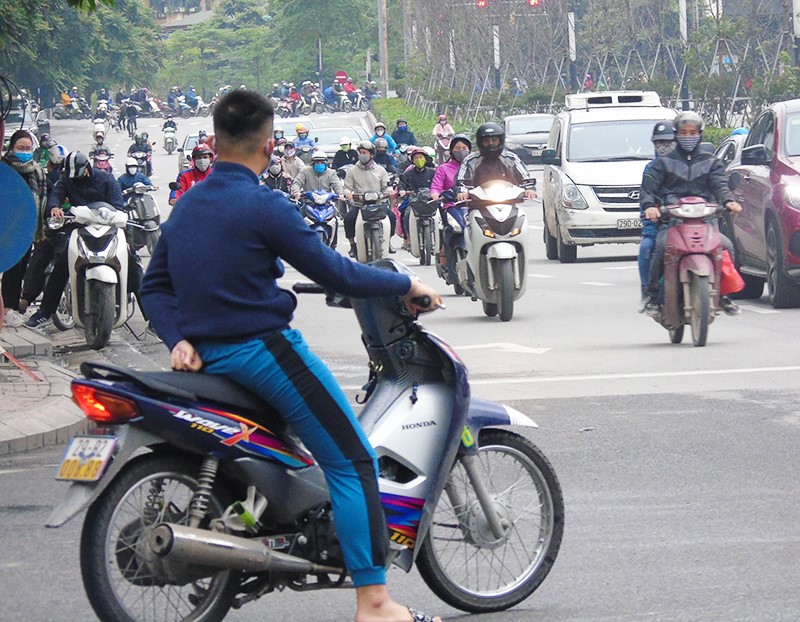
(105, 215)
(454, 224)
(572, 198)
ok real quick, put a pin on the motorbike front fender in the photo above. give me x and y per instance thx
(701, 265)
(486, 414)
(107, 274)
(80, 494)
(501, 250)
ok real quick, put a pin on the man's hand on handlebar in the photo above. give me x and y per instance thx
(57, 212)
(421, 291)
(652, 213)
(733, 207)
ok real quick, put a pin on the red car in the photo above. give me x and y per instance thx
(766, 181)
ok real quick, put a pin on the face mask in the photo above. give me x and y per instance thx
(288, 152)
(419, 162)
(319, 167)
(380, 131)
(302, 136)
(132, 170)
(459, 155)
(364, 158)
(664, 148)
(279, 135)
(23, 156)
(275, 169)
(688, 143)
(402, 128)
(82, 181)
(443, 121)
(202, 164)
(345, 148)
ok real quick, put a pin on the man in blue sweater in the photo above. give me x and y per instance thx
(211, 294)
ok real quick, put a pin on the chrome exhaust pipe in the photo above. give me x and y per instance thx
(179, 544)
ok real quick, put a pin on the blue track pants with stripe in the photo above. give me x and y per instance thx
(283, 371)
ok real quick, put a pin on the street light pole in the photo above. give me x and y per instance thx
(383, 47)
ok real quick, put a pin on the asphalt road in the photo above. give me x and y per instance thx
(678, 463)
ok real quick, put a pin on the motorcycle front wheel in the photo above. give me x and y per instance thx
(462, 561)
(100, 312)
(699, 297)
(120, 583)
(347, 106)
(152, 240)
(376, 245)
(425, 243)
(505, 289)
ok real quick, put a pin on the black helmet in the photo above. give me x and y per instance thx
(463, 138)
(663, 130)
(490, 129)
(401, 120)
(75, 165)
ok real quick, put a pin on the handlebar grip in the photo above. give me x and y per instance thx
(423, 301)
(308, 288)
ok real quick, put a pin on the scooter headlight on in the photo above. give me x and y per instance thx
(104, 215)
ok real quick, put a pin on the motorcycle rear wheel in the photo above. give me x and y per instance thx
(499, 572)
(375, 245)
(118, 581)
(426, 245)
(100, 311)
(699, 301)
(347, 106)
(676, 335)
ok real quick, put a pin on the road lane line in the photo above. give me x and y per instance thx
(540, 276)
(638, 375)
(759, 310)
(597, 284)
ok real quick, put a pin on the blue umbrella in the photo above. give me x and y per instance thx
(17, 217)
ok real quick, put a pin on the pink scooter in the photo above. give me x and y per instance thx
(692, 269)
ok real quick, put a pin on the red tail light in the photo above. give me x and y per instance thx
(104, 407)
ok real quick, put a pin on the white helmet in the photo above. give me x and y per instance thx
(57, 154)
(131, 162)
(319, 156)
(345, 141)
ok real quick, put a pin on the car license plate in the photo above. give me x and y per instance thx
(629, 223)
(86, 458)
(536, 152)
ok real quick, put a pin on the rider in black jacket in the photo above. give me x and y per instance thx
(687, 171)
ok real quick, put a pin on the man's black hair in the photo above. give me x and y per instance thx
(242, 116)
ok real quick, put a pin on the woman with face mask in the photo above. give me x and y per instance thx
(380, 132)
(20, 158)
(132, 175)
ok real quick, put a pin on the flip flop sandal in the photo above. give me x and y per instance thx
(418, 616)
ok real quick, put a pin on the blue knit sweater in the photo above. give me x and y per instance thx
(212, 275)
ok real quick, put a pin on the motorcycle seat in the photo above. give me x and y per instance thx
(199, 387)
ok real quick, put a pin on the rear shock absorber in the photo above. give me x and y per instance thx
(205, 483)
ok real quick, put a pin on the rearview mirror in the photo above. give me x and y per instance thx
(549, 157)
(174, 185)
(755, 154)
(707, 146)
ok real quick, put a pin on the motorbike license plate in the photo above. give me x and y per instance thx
(629, 223)
(86, 458)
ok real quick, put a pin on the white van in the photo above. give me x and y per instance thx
(596, 154)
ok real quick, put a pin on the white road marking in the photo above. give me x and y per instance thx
(638, 375)
(760, 310)
(620, 268)
(506, 347)
(540, 276)
(537, 227)
(597, 284)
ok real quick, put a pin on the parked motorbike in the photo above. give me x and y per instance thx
(98, 266)
(202, 109)
(373, 229)
(144, 217)
(224, 506)
(498, 247)
(424, 223)
(78, 108)
(692, 269)
(319, 210)
(170, 140)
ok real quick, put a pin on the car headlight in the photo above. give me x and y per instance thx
(792, 195)
(572, 198)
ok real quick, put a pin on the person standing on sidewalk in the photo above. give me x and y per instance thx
(20, 157)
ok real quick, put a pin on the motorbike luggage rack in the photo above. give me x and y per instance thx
(194, 387)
